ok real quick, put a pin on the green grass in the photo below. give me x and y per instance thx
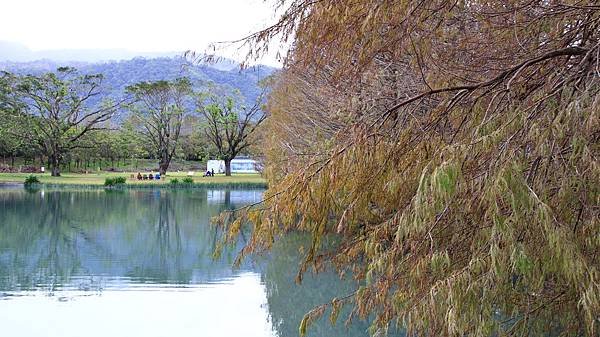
(98, 179)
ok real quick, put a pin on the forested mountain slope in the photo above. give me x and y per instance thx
(120, 74)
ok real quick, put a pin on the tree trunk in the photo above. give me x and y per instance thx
(227, 197)
(55, 163)
(162, 167)
(228, 167)
(165, 160)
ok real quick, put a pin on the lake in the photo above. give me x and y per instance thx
(139, 263)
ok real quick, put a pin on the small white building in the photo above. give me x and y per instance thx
(241, 165)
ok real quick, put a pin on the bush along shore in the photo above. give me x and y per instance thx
(180, 185)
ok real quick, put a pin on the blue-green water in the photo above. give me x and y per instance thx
(139, 263)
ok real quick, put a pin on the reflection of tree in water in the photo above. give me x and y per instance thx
(179, 241)
(62, 258)
(42, 234)
(288, 301)
(166, 222)
(67, 238)
(168, 239)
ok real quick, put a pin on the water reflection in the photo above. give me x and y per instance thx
(289, 301)
(158, 236)
(237, 198)
(141, 261)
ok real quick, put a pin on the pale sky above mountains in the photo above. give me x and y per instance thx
(139, 26)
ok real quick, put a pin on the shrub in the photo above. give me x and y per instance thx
(120, 180)
(32, 180)
(188, 180)
(114, 181)
(174, 181)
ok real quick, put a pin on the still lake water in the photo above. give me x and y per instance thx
(139, 263)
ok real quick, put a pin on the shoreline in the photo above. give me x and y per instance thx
(180, 186)
(96, 181)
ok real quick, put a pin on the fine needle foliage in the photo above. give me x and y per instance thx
(452, 148)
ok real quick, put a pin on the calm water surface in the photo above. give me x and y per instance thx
(139, 263)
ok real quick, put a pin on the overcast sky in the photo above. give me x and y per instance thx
(137, 25)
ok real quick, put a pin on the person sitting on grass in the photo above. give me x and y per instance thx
(145, 177)
(150, 176)
(139, 176)
(157, 176)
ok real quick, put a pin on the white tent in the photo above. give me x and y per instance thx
(242, 165)
(217, 165)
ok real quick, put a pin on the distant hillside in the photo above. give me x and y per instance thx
(120, 74)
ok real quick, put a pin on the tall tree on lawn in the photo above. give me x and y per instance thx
(159, 111)
(230, 126)
(56, 110)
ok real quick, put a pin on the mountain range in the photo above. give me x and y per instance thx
(120, 73)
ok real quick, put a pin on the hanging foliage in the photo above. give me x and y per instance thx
(452, 148)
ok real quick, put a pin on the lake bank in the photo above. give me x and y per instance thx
(96, 180)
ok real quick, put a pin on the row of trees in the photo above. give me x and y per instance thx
(64, 116)
(115, 147)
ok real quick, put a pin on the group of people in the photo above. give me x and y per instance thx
(209, 173)
(149, 176)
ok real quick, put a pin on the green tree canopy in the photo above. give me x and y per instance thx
(159, 111)
(228, 125)
(54, 111)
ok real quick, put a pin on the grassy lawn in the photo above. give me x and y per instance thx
(98, 178)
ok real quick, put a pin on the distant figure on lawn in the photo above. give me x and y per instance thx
(150, 176)
(212, 172)
(157, 176)
(139, 176)
(209, 174)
